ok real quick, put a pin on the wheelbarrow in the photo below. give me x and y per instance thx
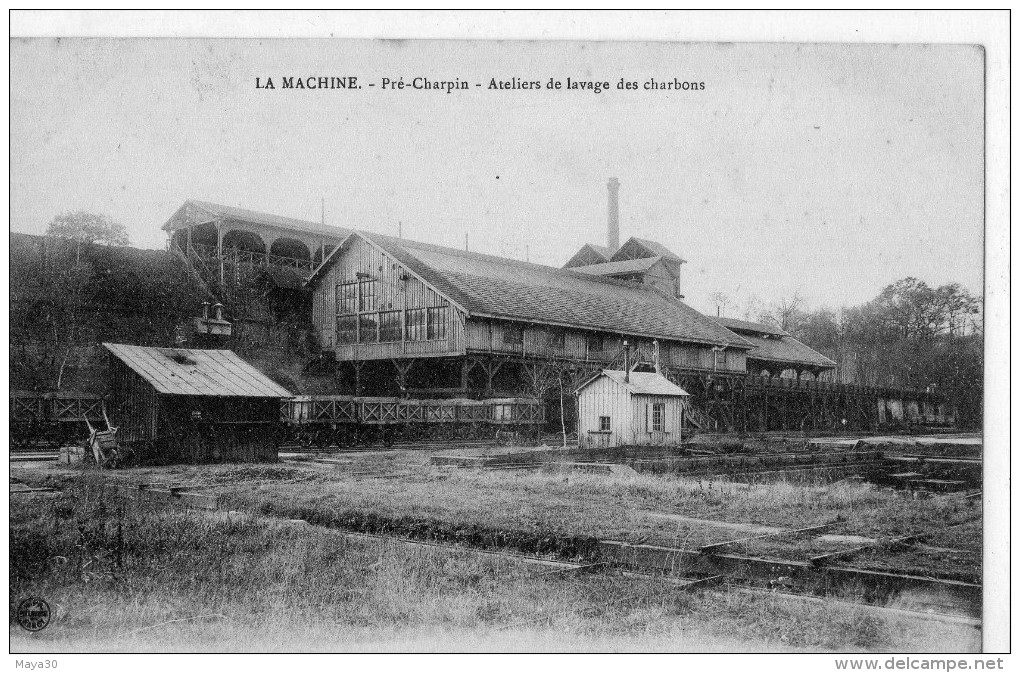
(103, 443)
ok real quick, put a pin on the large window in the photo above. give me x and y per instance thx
(437, 323)
(347, 299)
(658, 418)
(368, 328)
(366, 296)
(557, 339)
(346, 329)
(596, 344)
(425, 324)
(389, 326)
(359, 319)
(417, 318)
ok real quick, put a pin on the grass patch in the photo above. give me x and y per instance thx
(125, 577)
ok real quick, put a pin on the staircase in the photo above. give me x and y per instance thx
(695, 417)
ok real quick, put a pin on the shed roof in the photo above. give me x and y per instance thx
(641, 383)
(775, 345)
(786, 349)
(623, 266)
(210, 373)
(748, 326)
(508, 288)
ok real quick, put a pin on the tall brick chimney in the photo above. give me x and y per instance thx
(613, 238)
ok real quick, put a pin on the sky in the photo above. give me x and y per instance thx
(825, 170)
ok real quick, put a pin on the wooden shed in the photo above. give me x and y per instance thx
(616, 408)
(175, 405)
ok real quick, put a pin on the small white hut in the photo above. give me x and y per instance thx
(617, 408)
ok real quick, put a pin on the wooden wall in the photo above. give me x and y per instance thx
(487, 336)
(396, 290)
(630, 416)
(134, 404)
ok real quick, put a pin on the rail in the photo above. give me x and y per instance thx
(209, 253)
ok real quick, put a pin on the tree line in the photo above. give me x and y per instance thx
(910, 335)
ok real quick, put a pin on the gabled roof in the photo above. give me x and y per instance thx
(194, 210)
(645, 248)
(625, 266)
(209, 373)
(747, 326)
(641, 383)
(589, 250)
(496, 287)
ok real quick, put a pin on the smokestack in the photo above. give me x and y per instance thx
(626, 361)
(655, 351)
(613, 238)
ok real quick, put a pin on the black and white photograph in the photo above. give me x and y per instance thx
(452, 332)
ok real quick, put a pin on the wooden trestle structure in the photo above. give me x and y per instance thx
(720, 401)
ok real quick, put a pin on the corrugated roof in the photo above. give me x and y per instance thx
(507, 288)
(746, 325)
(211, 373)
(625, 266)
(267, 219)
(641, 383)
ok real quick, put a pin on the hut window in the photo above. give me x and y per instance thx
(605, 424)
(346, 329)
(658, 418)
(347, 298)
(415, 325)
(513, 335)
(437, 323)
(368, 328)
(389, 326)
(366, 295)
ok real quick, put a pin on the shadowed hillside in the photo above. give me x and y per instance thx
(67, 299)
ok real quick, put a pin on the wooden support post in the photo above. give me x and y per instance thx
(403, 368)
(358, 366)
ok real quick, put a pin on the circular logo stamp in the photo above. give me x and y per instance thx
(33, 614)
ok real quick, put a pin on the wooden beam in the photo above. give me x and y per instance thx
(878, 544)
(711, 548)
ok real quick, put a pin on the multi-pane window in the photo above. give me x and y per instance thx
(437, 323)
(513, 335)
(359, 319)
(368, 328)
(347, 299)
(557, 339)
(720, 358)
(367, 295)
(389, 326)
(605, 424)
(596, 344)
(346, 329)
(658, 418)
(415, 323)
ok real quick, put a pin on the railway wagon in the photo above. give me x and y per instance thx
(322, 421)
(51, 419)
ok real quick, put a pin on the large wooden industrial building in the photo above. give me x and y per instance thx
(398, 317)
